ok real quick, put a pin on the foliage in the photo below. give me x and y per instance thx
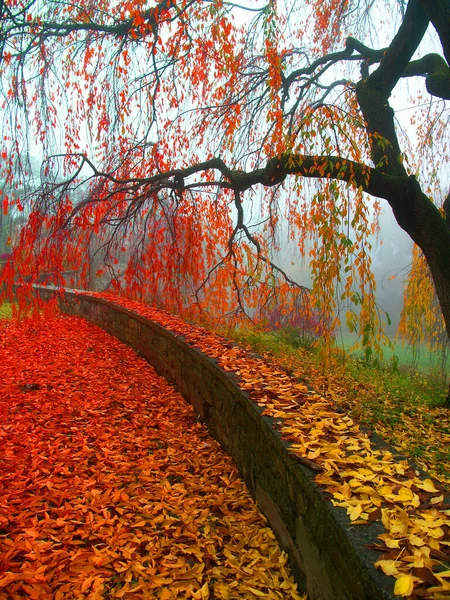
(188, 144)
(101, 493)
(421, 322)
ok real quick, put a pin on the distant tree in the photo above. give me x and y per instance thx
(199, 123)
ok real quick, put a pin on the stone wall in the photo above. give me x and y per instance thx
(328, 556)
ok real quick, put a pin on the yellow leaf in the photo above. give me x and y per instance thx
(222, 589)
(404, 495)
(255, 591)
(436, 533)
(428, 486)
(354, 512)
(418, 562)
(434, 544)
(301, 388)
(202, 593)
(404, 586)
(437, 499)
(314, 454)
(191, 573)
(416, 540)
(443, 574)
(387, 566)
(385, 490)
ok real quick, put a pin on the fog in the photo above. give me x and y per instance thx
(391, 261)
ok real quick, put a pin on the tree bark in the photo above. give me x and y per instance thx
(438, 11)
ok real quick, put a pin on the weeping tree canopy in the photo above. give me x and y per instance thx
(188, 148)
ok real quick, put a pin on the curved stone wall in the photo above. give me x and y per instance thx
(329, 557)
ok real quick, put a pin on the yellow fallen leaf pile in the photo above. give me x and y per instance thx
(417, 429)
(368, 482)
(384, 401)
(110, 487)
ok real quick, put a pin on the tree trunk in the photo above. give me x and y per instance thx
(413, 210)
(420, 218)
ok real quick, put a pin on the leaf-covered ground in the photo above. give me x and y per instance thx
(368, 482)
(402, 407)
(109, 485)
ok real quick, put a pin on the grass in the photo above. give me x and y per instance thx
(402, 354)
(403, 404)
(5, 310)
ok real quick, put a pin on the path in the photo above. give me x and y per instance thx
(109, 485)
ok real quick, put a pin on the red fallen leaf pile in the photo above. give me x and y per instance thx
(371, 484)
(110, 487)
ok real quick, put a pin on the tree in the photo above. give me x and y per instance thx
(198, 125)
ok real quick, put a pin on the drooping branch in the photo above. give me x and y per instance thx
(48, 29)
(240, 225)
(140, 24)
